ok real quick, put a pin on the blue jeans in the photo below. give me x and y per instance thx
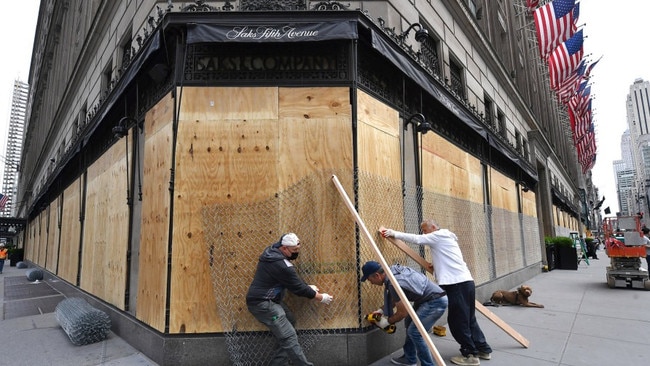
(2, 265)
(428, 312)
(280, 321)
(461, 318)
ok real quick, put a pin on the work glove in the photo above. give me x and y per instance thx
(388, 233)
(379, 311)
(313, 287)
(327, 299)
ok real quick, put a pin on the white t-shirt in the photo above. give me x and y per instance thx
(448, 263)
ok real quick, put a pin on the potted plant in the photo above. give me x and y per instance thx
(567, 256)
(16, 255)
(591, 245)
(551, 253)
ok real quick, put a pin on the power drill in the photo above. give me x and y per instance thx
(374, 318)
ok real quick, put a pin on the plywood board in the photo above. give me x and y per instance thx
(105, 238)
(154, 230)
(241, 156)
(380, 196)
(448, 170)
(51, 263)
(219, 159)
(70, 233)
(529, 204)
(234, 103)
(43, 218)
(503, 191)
(314, 132)
(31, 241)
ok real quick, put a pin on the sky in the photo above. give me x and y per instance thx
(617, 31)
(614, 30)
(18, 24)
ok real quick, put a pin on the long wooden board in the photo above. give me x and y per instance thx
(364, 230)
(482, 309)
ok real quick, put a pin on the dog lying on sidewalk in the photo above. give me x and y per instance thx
(518, 297)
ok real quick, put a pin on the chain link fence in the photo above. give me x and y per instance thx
(333, 251)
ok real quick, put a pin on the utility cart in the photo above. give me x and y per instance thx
(625, 248)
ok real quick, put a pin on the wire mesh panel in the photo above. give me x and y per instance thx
(237, 234)
(333, 250)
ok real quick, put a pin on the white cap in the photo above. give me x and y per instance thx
(290, 240)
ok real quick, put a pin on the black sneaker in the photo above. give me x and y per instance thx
(402, 361)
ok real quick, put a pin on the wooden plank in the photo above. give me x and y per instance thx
(414, 317)
(70, 231)
(154, 232)
(482, 309)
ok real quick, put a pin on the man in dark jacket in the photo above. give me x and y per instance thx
(275, 274)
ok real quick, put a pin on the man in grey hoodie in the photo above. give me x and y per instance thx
(275, 273)
(453, 275)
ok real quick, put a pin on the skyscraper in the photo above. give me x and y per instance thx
(638, 120)
(14, 145)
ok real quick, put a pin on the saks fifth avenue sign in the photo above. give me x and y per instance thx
(286, 32)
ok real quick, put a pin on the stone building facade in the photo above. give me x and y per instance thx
(168, 142)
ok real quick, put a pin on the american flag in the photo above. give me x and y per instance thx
(581, 124)
(532, 4)
(587, 150)
(581, 101)
(554, 24)
(564, 60)
(568, 87)
(591, 67)
(3, 200)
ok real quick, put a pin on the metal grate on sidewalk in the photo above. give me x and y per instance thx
(25, 298)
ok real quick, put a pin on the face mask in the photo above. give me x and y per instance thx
(293, 256)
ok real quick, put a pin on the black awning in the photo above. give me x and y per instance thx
(132, 71)
(503, 148)
(272, 32)
(426, 82)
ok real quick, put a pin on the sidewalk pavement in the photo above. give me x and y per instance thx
(583, 323)
(30, 335)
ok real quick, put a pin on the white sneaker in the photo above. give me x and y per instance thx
(470, 360)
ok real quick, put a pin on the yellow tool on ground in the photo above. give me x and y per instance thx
(374, 318)
(439, 330)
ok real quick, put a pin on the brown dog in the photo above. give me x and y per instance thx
(519, 297)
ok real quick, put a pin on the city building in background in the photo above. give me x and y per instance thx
(167, 143)
(625, 176)
(633, 170)
(13, 146)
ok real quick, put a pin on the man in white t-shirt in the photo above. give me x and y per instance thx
(453, 275)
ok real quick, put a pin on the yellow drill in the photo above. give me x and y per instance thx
(374, 318)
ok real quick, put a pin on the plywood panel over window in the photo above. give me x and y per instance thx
(227, 152)
(450, 171)
(70, 233)
(53, 236)
(105, 238)
(43, 222)
(238, 148)
(529, 205)
(506, 226)
(31, 243)
(154, 231)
